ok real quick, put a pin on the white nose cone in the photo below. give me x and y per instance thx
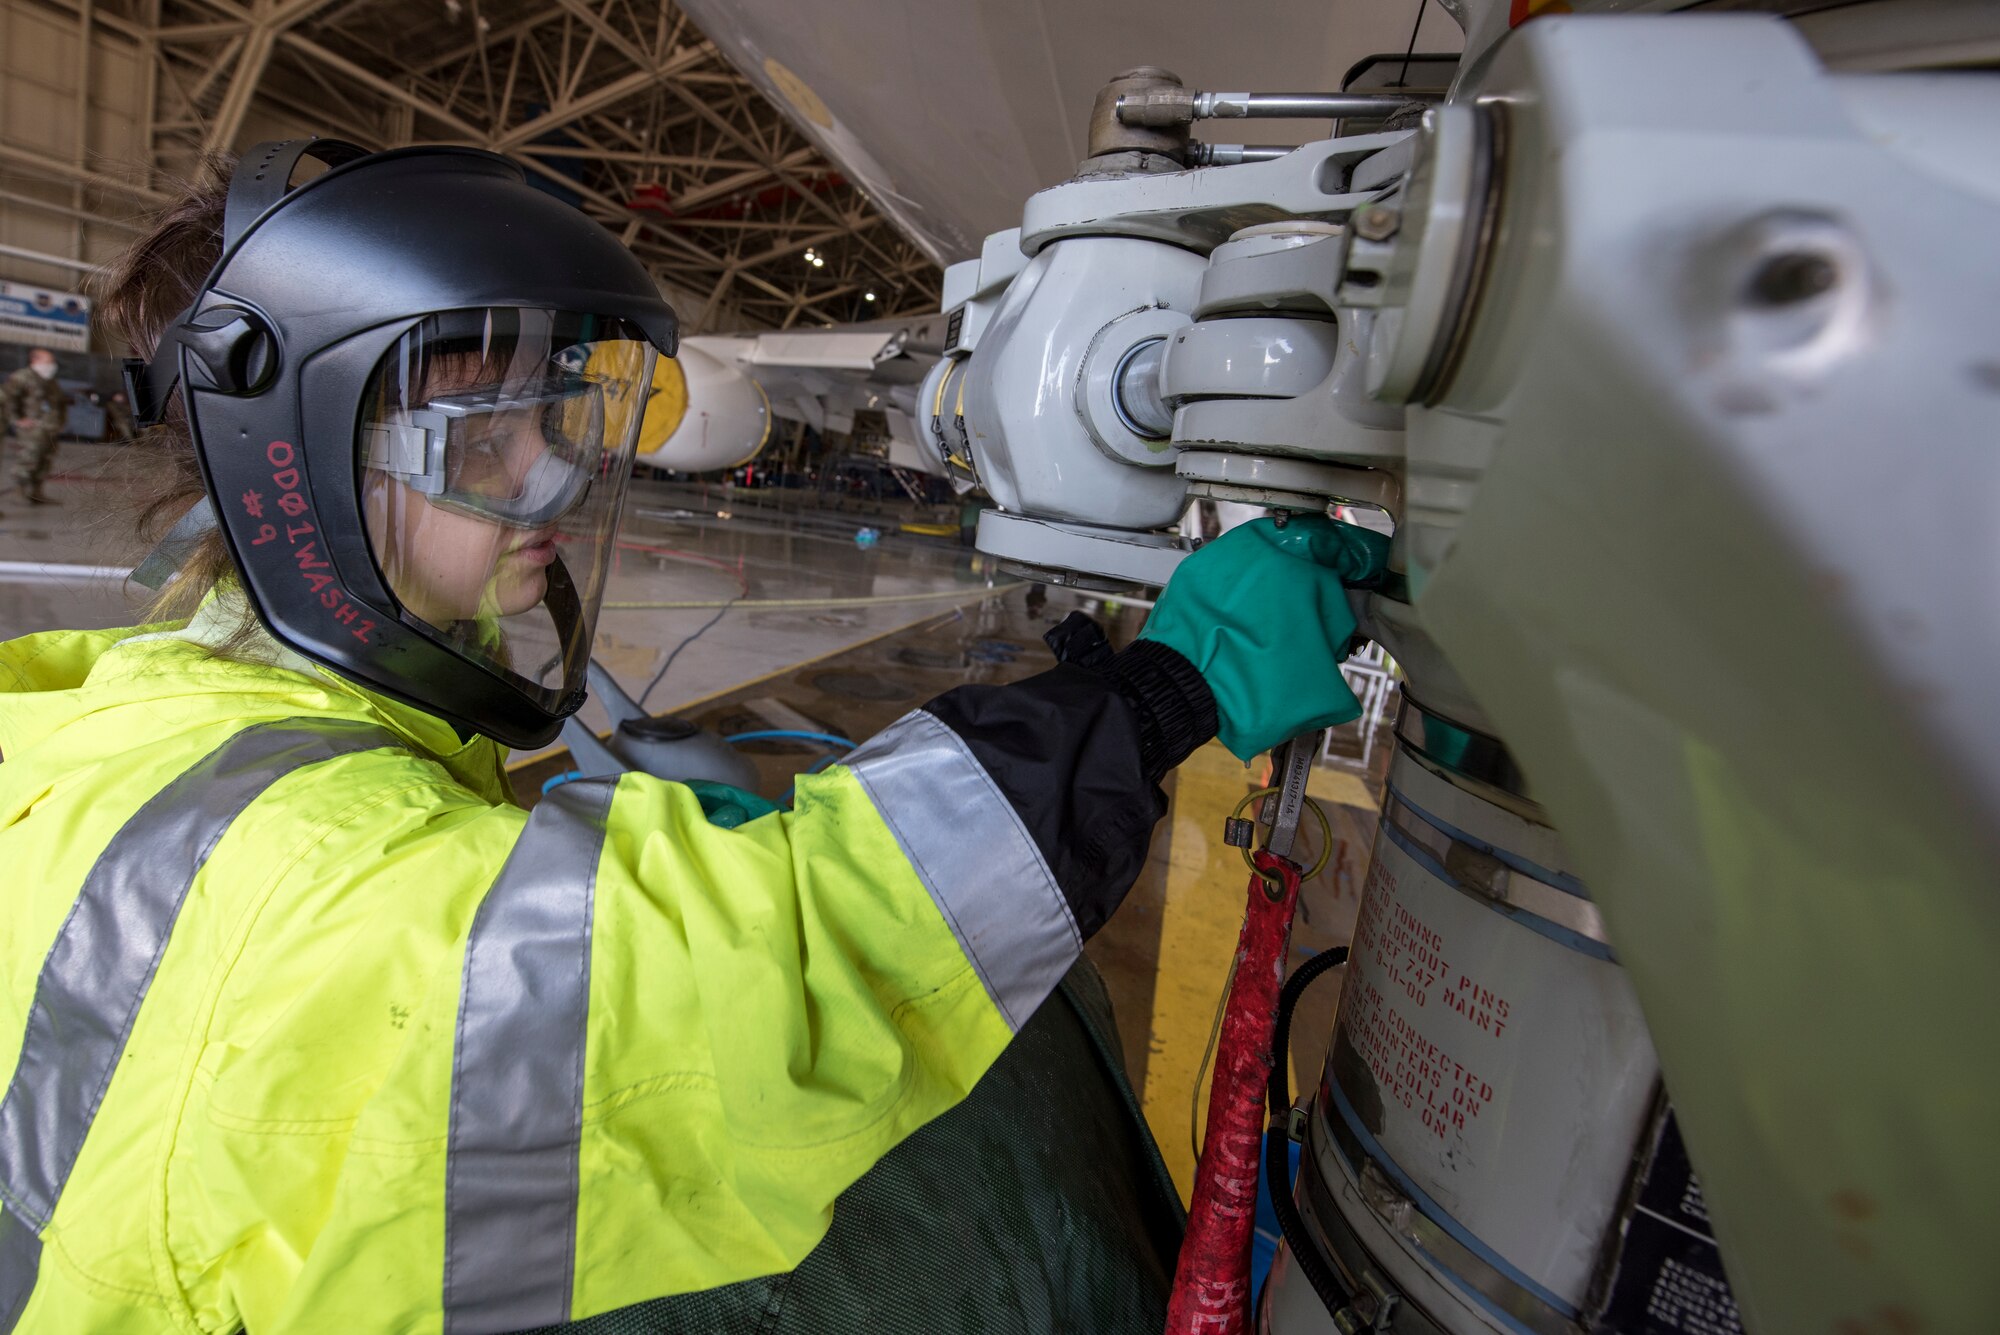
(727, 421)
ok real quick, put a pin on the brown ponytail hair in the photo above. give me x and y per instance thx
(137, 296)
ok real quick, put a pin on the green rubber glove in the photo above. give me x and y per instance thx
(729, 807)
(1262, 614)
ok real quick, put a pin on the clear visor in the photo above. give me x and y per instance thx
(495, 447)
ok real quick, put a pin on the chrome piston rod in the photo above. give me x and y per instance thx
(1164, 107)
(1231, 155)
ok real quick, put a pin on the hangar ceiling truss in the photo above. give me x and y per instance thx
(620, 105)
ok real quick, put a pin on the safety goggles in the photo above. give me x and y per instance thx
(521, 455)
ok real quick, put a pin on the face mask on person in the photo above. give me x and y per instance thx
(46, 370)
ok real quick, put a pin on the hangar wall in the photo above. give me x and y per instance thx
(55, 112)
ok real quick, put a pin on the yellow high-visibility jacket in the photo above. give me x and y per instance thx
(311, 1028)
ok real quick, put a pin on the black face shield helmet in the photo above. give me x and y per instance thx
(414, 385)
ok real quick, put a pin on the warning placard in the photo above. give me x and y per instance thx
(1507, 1077)
(1670, 1279)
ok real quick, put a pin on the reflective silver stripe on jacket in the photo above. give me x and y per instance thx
(96, 974)
(20, 1259)
(517, 1074)
(976, 858)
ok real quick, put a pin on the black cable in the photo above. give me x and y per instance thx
(661, 675)
(1277, 1138)
(1403, 79)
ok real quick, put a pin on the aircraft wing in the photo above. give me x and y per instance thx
(949, 113)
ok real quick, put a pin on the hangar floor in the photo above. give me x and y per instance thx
(803, 623)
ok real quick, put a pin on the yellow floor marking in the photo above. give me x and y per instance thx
(1200, 919)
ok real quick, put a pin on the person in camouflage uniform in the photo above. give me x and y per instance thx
(118, 422)
(34, 406)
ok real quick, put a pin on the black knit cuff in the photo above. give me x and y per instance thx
(1175, 707)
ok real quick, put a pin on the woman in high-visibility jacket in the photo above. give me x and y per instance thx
(312, 1027)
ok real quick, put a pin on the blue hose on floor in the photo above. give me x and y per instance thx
(790, 735)
(795, 735)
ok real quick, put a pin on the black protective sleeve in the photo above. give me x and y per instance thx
(1079, 752)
